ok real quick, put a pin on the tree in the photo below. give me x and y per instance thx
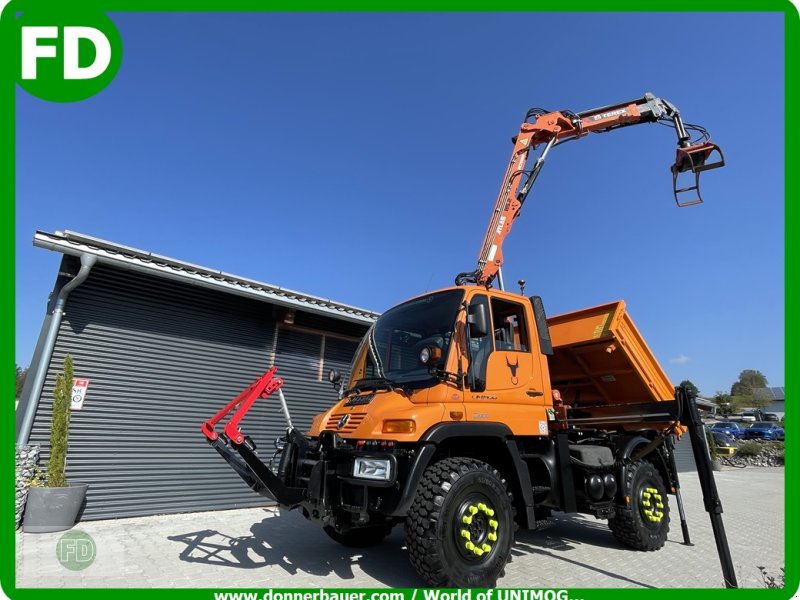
(749, 380)
(723, 400)
(690, 387)
(21, 375)
(59, 429)
(760, 400)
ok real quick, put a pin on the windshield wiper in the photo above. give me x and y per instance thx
(373, 384)
(449, 377)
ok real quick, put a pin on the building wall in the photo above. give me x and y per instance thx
(162, 357)
(777, 407)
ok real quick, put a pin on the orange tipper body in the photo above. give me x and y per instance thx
(600, 364)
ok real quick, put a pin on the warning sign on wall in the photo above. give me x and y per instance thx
(79, 387)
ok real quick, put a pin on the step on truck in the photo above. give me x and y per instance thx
(468, 413)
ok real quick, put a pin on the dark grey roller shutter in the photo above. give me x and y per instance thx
(162, 357)
(684, 459)
(300, 361)
(338, 355)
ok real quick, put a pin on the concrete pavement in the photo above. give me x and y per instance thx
(262, 548)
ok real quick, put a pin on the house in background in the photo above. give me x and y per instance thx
(776, 397)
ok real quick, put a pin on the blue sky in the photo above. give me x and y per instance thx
(357, 157)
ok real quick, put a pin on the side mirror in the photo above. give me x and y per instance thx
(478, 320)
(336, 380)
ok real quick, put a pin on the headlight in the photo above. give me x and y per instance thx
(430, 354)
(372, 468)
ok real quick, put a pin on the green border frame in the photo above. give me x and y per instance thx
(7, 257)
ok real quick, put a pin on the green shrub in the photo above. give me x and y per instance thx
(712, 445)
(749, 448)
(59, 428)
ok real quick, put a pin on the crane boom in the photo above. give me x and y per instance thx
(550, 128)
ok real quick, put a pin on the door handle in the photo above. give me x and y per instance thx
(534, 393)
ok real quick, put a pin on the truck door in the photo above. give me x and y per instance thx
(505, 379)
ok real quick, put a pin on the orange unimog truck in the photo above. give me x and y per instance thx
(468, 413)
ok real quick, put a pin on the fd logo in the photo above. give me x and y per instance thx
(66, 55)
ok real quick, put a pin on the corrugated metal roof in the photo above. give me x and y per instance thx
(771, 393)
(125, 257)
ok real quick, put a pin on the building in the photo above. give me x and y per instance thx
(164, 345)
(776, 396)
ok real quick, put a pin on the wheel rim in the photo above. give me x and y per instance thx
(651, 505)
(476, 528)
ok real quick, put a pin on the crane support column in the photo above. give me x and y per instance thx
(691, 418)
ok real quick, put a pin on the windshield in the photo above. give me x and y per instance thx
(389, 352)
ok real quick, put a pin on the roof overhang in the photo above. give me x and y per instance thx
(133, 259)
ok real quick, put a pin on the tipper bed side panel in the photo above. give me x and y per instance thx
(601, 359)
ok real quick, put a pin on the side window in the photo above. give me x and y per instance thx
(510, 329)
(479, 350)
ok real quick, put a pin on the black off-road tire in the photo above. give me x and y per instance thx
(362, 537)
(644, 523)
(449, 491)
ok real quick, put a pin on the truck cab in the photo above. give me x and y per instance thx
(458, 355)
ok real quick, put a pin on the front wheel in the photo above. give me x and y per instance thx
(644, 523)
(460, 527)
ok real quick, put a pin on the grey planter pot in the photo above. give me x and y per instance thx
(52, 509)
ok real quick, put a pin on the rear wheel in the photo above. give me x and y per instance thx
(644, 523)
(362, 537)
(460, 527)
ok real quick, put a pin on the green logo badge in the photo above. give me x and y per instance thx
(66, 56)
(76, 550)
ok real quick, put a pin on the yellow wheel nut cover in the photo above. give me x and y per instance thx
(481, 506)
(486, 547)
(489, 512)
(493, 524)
(473, 510)
(492, 537)
(467, 520)
(470, 546)
(477, 551)
(465, 534)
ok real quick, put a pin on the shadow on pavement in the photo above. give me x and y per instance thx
(564, 535)
(297, 547)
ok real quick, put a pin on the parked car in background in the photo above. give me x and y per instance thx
(764, 430)
(731, 428)
(726, 445)
(771, 417)
(750, 416)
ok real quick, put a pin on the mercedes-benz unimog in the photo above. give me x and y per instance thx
(468, 413)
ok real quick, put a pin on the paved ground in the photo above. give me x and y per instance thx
(260, 548)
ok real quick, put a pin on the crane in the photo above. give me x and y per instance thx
(546, 128)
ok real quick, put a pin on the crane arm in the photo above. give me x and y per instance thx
(550, 128)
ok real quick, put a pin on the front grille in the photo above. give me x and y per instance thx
(353, 421)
